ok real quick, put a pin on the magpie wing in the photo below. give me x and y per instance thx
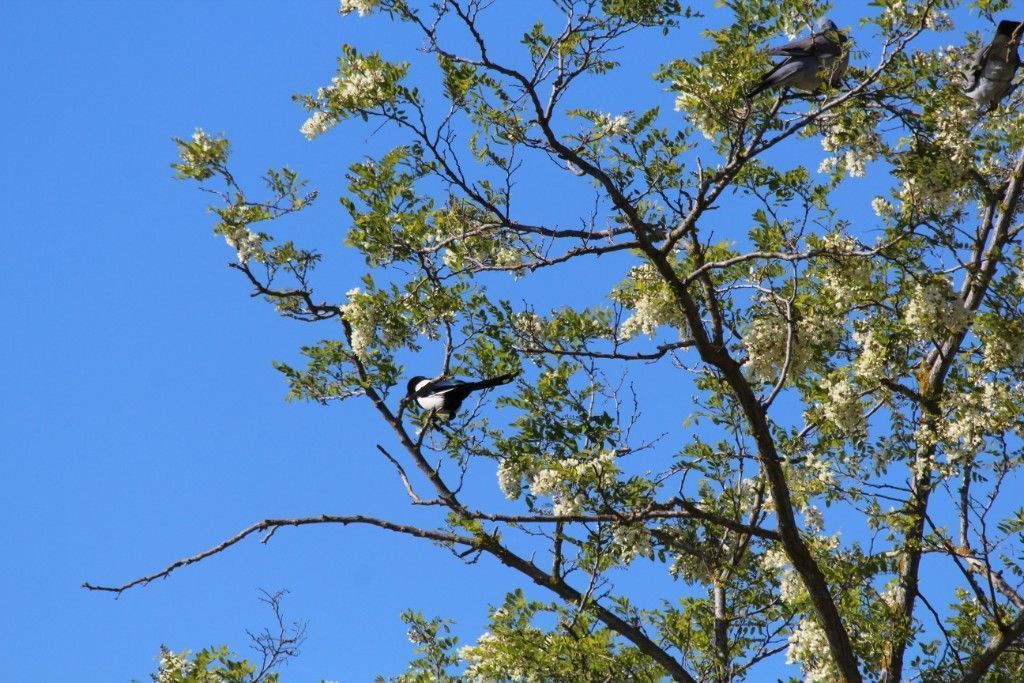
(780, 74)
(438, 386)
(978, 67)
(811, 46)
(797, 48)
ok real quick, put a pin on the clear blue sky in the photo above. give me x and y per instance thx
(141, 419)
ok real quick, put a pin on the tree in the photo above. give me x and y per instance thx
(865, 363)
(217, 664)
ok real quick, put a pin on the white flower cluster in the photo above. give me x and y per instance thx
(652, 302)
(1003, 347)
(765, 341)
(870, 363)
(990, 408)
(363, 83)
(478, 654)
(319, 122)
(930, 191)
(846, 276)
(861, 142)
(483, 252)
(692, 103)
(882, 207)
(558, 482)
(817, 468)
(173, 666)
(363, 7)
(813, 519)
(808, 646)
(611, 126)
(791, 588)
(361, 319)
(528, 323)
(202, 156)
(935, 310)
(244, 241)
(632, 541)
(506, 256)
(360, 84)
(890, 594)
(953, 132)
(792, 24)
(844, 408)
(509, 480)
(204, 146)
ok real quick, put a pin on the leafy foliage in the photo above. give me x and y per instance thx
(862, 355)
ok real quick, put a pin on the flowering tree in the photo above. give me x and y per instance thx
(864, 362)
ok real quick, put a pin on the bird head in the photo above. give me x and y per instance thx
(411, 386)
(826, 25)
(1010, 29)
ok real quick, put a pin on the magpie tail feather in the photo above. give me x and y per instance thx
(493, 381)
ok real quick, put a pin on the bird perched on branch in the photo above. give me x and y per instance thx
(995, 65)
(445, 396)
(811, 62)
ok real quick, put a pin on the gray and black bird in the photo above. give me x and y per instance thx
(445, 395)
(811, 62)
(995, 65)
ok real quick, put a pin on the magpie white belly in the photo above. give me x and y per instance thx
(435, 402)
(988, 91)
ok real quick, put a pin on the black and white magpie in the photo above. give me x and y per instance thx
(445, 395)
(995, 65)
(810, 62)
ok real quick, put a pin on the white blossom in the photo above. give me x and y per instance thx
(828, 165)
(979, 411)
(817, 468)
(546, 482)
(765, 340)
(652, 302)
(173, 666)
(813, 519)
(363, 7)
(808, 646)
(568, 504)
(844, 408)
(1003, 347)
(935, 311)
(361, 319)
(858, 140)
(631, 542)
(870, 363)
(610, 126)
(882, 207)
(562, 482)
(890, 595)
(245, 242)
(509, 480)
(318, 123)
(846, 275)
(528, 323)
(360, 84)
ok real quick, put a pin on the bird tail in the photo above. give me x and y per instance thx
(493, 381)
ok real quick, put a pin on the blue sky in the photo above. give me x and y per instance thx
(142, 419)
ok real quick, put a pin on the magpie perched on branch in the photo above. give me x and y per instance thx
(810, 62)
(445, 395)
(995, 65)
